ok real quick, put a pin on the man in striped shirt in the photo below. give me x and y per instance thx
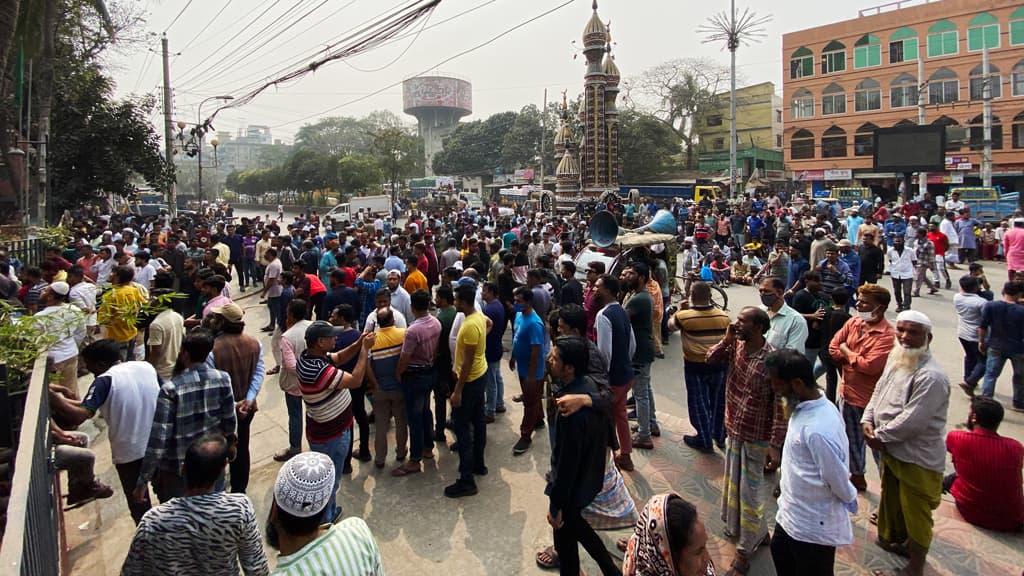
(325, 392)
(296, 528)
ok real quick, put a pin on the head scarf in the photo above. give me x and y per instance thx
(649, 552)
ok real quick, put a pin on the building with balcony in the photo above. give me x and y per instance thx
(844, 80)
(759, 126)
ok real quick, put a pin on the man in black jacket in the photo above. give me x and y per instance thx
(872, 260)
(579, 460)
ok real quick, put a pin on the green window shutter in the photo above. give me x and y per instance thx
(1017, 32)
(934, 45)
(910, 49)
(974, 37)
(860, 57)
(840, 60)
(949, 43)
(808, 65)
(875, 55)
(992, 36)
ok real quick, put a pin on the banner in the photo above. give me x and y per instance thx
(838, 174)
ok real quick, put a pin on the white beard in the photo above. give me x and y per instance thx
(908, 359)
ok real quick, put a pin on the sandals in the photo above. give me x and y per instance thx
(897, 548)
(548, 558)
(273, 370)
(740, 566)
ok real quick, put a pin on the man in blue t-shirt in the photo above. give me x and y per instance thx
(754, 225)
(528, 352)
(494, 400)
(1001, 338)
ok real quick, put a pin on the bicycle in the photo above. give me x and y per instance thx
(681, 290)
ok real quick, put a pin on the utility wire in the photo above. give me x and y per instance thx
(169, 26)
(226, 65)
(211, 21)
(435, 66)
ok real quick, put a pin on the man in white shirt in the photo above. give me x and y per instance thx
(125, 393)
(104, 264)
(66, 323)
(954, 203)
(817, 496)
(272, 289)
(902, 262)
(144, 270)
(399, 297)
(947, 226)
(83, 295)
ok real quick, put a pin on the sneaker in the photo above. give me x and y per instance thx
(967, 388)
(642, 443)
(489, 419)
(656, 431)
(694, 441)
(630, 401)
(285, 455)
(461, 488)
(521, 446)
(347, 469)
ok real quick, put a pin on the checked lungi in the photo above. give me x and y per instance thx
(705, 400)
(742, 498)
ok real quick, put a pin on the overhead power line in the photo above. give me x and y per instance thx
(210, 22)
(435, 66)
(169, 26)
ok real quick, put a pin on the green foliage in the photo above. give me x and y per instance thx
(21, 339)
(399, 153)
(475, 148)
(647, 146)
(358, 173)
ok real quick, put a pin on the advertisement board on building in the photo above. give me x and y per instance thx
(433, 91)
(838, 174)
(959, 163)
(524, 174)
(940, 178)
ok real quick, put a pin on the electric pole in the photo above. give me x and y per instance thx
(986, 96)
(922, 89)
(172, 201)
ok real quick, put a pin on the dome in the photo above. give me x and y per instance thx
(596, 33)
(567, 167)
(563, 137)
(611, 71)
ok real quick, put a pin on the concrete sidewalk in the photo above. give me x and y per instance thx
(499, 531)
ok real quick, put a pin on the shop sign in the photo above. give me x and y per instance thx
(838, 174)
(950, 178)
(809, 175)
(958, 163)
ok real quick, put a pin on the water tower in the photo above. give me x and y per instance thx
(437, 102)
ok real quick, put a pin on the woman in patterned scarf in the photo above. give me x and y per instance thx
(669, 540)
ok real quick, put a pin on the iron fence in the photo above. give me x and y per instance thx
(30, 251)
(30, 543)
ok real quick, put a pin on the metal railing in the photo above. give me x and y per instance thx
(30, 251)
(30, 544)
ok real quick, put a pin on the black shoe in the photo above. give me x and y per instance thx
(694, 441)
(659, 355)
(630, 401)
(631, 415)
(439, 436)
(461, 488)
(480, 471)
(656, 431)
(450, 424)
(347, 470)
(949, 285)
(489, 419)
(521, 446)
(500, 410)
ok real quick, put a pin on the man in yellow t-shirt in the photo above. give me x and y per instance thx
(468, 396)
(119, 308)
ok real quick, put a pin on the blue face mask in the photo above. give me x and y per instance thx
(518, 307)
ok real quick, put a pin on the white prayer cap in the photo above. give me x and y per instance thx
(304, 484)
(915, 317)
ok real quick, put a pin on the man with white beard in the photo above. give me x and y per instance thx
(905, 420)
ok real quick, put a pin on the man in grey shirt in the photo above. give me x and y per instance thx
(905, 421)
(969, 306)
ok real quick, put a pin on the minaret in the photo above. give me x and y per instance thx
(611, 73)
(594, 160)
(568, 172)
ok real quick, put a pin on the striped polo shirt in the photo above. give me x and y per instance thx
(328, 407)
(701, 327)
(387, 348)
(348, 547)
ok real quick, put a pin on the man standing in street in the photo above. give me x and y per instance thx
(467, 396)
(617, 343)
(445, 302)
(817, 496)
(639, 306)
(495, 311)
(941, 244)
(66, 324)
(293, 344)
(1001, 338)
(788, 327)
(572, 289)
(969, 307)
(701, 326)
(166, 331)
(906, 420)
(195, 402)
(1013, 248)
(755, 430)
(399, 297)
(872, 260)
(122, 301)
(205, 531)
(860, 349)
(236, 256)
(416, 373)
(528, 352)
(925, 252)
(901, 268)
(325, 395)
(272, 289)
(241, 356)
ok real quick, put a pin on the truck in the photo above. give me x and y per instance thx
(988, 203)
(695, 192)
(379, 205)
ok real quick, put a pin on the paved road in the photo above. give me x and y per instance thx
(498, 531)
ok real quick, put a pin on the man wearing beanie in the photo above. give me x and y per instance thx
(296, 526)
(65, 323)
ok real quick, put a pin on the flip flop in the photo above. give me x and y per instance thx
(273, 370)
(873, 518)
(897, 548)
(552, 558)
(403, 471)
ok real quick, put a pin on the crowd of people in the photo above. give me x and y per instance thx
(373, 311)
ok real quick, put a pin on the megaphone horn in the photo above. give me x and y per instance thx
(662, 223)
(603, 229)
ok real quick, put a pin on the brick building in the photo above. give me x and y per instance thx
(844, 80)
(758, 132)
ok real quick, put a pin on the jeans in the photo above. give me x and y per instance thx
(362, 421)
(470, 428)
(739, 239)
(239, 267)
(994, 367)
(974, 363)
(495, 388)
(240, 465)
(442, 388)
(416, 387)
(128, 473)
(336, 449)
(665, 303)
(249, 271)
(831, 371)
(274, 305)
(294, 405)
(801, 558)
(644, 396)
(901, 289)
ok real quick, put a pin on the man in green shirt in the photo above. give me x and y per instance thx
(640, 308)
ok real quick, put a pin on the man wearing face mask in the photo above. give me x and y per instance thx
(905, 421)
(860, 349)
(788, 327)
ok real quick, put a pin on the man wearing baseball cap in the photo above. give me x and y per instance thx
(304, 487)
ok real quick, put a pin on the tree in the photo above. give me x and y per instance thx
(358, 172)
(647, 146)
(680, 93)
(475, 148)
(308, 170)
(399, 154)
(521, 145)
(338, 136)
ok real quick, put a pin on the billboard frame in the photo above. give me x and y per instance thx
(922, 130)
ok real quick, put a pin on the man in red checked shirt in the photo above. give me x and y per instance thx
(941, 243)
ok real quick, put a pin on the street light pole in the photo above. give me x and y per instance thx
(202, 133)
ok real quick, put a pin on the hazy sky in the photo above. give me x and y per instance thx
(506, 74)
